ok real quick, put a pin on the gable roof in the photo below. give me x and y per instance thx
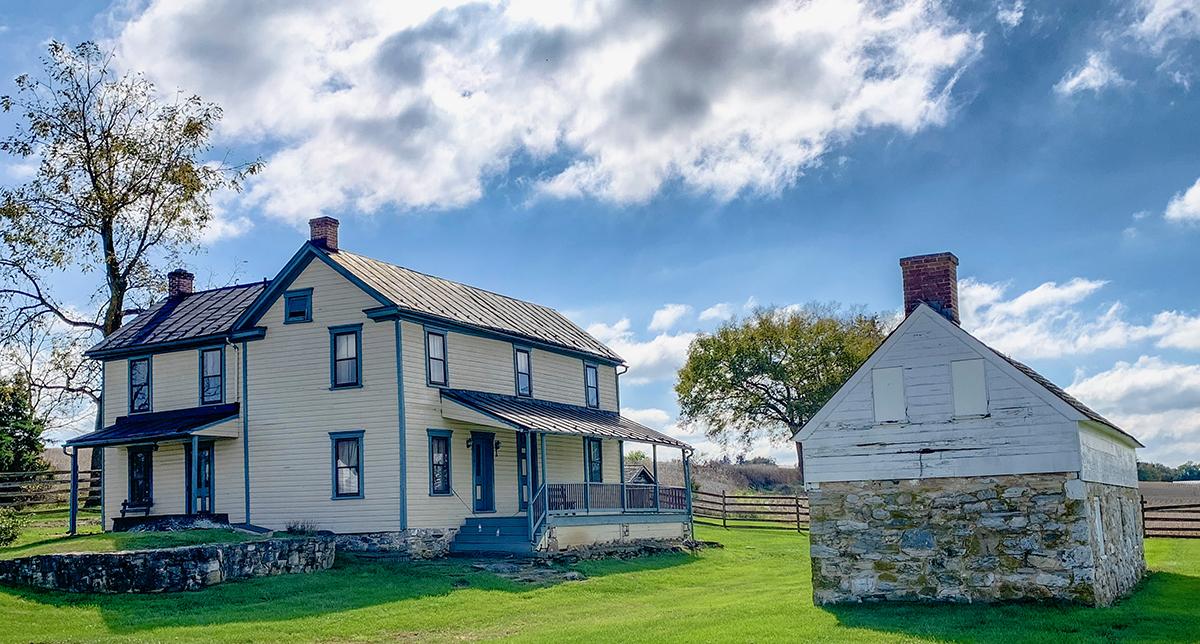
(416, 292)
(633, 472)
(1042, 386)
(195, 316)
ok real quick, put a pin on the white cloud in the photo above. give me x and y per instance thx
(1185, 206)
(1010, 14)
(1163, 21)
(1094, 75)
(719, 311)
(415, 105)
(666, 317)
(1155, 400)
(650, 417)
(656, 359)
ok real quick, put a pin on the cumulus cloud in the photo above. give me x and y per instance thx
(415, 105)
(1010, 14)
(718, 311)
(1154, 399)
(1164, 21)
(1185, 206)
(649, 360)
(1094, 75)
(666, 317)
(651, 417)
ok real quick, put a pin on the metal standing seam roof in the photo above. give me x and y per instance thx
(443, 298)
(196, 315)
(557, 418)
(157, 426)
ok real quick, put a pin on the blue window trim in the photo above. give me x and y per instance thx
(200, 375)
(445, 357)
(586, 402)
(334, 437)
(149, 383)
(587, 459)
(517, 374)
(449, 436)
(334, 332)
(129, 452)
(306, 294)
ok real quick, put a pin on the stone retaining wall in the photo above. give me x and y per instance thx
(414, 543)
(1026, 537)
(168, 569)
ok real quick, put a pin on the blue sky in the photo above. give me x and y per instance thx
(613, 161)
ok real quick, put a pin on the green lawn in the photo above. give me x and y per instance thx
(755, 589)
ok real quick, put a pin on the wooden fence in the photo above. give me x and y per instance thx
(1179, 521)
(764, 511)
(48, 487)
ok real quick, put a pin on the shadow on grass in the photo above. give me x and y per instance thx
(352, 583)
(1162, 608)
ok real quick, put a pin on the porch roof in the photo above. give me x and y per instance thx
(164, 425)
(526, 414)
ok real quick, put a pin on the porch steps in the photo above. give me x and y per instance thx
(499, 535)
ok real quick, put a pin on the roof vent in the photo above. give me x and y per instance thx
(323, 233)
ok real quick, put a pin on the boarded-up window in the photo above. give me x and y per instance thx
(888, 387)
(970, 388)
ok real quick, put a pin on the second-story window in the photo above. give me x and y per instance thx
(211, 377)
(345, 362)
(435, 348)
(297, 306)
(524, 375)
(591, 382)
(139, 385)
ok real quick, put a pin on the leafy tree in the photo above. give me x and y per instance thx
(765, 376)
(121, 187)
(1189, 471)
(20, 428)
(636, 456)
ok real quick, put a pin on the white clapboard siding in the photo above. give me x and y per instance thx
(292, 411)
(1023, 433)
(1105, 459)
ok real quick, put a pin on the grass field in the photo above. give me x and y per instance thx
(754, 589)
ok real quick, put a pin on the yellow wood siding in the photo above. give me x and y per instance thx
(292, 410)
(174, 382)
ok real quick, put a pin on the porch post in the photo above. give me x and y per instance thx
(542, 472)
(654, 459)
(529, 481)
(74, 489)
(687, 490)
(621, 469)
(192, 501)
(587, 479)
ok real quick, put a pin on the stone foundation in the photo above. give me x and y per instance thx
(1027, 537)
(414, 543)
(168, 569)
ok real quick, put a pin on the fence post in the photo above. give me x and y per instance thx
(724, 512)
(1143, 516)
(74, 490)
(797, 499)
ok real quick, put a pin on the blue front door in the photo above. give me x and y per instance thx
(483, 469)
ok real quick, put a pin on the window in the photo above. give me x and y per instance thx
(524, 379)
(141, 493)
(595, 459)
(297, 306)
(435, 348)
(345, 351)
(347, 465)
(591, 385)
(888, 392)
(139, 385)
(212, 367)
(439, 463)
(970, 388)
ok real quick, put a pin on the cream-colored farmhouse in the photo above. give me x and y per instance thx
(945, 470)
(369, 399)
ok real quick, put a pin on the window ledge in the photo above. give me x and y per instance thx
(340, 387)
(358, 497)
(441, 494)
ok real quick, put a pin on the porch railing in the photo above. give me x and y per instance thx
(572, 498)
(537, 509)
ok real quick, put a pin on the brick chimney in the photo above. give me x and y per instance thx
(323, 232)
(180, 282)
(932, 279)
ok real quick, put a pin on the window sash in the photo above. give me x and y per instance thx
(595, 461)
(439, 465)
(140, 476)
(347, 467)
(345, 359)
(211, 376)
(297, 308)
(139, 385)
(524, 381)
(592, 387)
(436, 350)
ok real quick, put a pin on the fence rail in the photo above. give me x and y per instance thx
(768, 511)
(47, 487)
(1180, 521)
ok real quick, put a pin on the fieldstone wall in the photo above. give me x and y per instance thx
(1119, 553)
(168, 569)
(999, 538)
(414, 543)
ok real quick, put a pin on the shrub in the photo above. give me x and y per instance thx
(11, 524)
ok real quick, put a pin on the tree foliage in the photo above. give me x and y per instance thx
(20, 427)
(121, 186)
(1189, 471)
(765, 376)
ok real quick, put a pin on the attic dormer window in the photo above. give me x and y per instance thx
(297, 306)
